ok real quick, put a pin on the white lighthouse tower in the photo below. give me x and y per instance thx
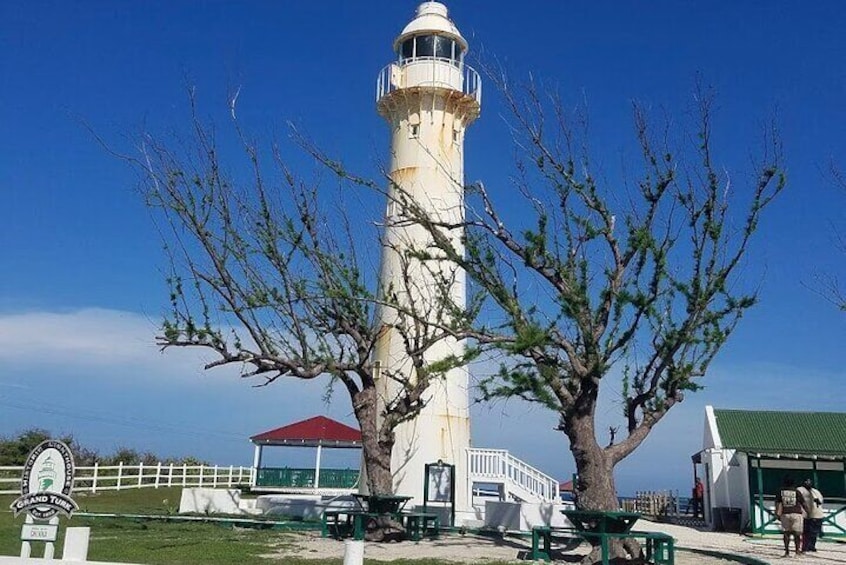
(428, 97)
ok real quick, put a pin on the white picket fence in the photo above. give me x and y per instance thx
(117, 477)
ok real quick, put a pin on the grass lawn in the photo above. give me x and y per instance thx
(153, 542)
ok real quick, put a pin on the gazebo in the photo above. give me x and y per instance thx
(318, 432)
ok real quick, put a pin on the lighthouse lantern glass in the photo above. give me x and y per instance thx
(430, 46)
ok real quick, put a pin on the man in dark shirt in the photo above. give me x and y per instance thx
(812, 502)
(698, 497)
(789, 510)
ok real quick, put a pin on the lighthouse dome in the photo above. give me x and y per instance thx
(431, 19)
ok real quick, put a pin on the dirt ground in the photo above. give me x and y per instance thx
(471, 548)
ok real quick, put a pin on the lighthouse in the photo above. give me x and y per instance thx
(429, 97)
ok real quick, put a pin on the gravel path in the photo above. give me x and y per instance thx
(478, 549)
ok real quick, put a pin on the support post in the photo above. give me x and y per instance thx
(76, 544)
(353, 552)
(317, 468)
(256, 464)
(26, 547)
(50, 547)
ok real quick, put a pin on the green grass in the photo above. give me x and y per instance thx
(154, 542)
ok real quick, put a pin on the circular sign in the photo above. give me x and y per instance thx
(47, 482)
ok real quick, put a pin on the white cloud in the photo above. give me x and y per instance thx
(100, 342)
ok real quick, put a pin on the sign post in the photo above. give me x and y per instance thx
(439, 486)
(46, 486)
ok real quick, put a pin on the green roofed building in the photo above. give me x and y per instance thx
(746, 454)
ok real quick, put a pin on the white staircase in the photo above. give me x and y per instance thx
(517, 480)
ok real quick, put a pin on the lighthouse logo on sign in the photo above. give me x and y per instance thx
(47, 482)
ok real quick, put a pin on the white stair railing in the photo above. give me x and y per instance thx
(520, 478)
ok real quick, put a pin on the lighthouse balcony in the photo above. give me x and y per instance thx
(429, 72)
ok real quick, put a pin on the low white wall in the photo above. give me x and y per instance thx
(523, 516)
(210, 501)
(303, 506)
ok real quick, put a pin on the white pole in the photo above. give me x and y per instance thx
(76, 544)
(158, 473)
(94, 480)
(256, 463)
(140, 473)
(26, 547)
(317, 468)
(353, 552)
(50, 547)
(170, 476)
(120, 473)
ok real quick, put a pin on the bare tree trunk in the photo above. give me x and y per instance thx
(377, 445)
(595, 488)
(376, 450)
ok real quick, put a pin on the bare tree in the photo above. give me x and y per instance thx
(267, 276)
(638, 281)
(828, 284)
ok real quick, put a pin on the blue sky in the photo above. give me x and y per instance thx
(82, 285)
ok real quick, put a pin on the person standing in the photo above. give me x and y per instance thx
(698, 497)
(812, 500)
(788, 510)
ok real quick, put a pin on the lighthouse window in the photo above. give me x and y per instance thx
(407, 50)
(425, 46)
(443, 47)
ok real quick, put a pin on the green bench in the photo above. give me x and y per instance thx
(542, 540)
(600, 527)
(660, 547)
(659, 550)
(331, 523)
(421, 524)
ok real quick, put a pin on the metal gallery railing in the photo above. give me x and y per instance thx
(390, 77)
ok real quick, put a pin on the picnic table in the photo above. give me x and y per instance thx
(381, 503)
(373, 507)
(609, 525)
(602, 522)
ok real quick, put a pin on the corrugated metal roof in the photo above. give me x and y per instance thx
(798, 433)
(319, 430)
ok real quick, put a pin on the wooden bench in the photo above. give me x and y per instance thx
(545, 534)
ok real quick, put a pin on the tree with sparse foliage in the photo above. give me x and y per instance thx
(829, 285)
(267, 276)
(636, 283)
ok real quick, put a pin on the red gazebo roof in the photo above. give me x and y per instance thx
(312, 432)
